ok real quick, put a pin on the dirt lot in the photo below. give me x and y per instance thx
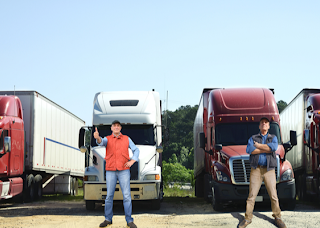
(174, 212)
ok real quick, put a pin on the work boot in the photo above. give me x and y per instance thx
(244, 223)
(131, 225)
(105, 223)
(279, 223)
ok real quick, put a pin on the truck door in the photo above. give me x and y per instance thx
(4, 157)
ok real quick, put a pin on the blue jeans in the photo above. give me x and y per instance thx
(124, 180)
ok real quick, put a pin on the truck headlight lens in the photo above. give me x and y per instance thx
(287, 175)
(152, 177)
(221, 176)
(90, 178)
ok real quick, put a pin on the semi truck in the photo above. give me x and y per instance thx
(303, 115)
(38, 147)
(139, 113)
(225, 120)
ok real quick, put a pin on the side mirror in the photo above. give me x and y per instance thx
(7, 144)
(202, 140)
(81, 138)
(306, 138)
(218, 147)
(159, 149)
(293, 138)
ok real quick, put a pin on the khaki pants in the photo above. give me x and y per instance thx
(256, 177)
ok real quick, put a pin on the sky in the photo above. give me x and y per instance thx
(70, 50)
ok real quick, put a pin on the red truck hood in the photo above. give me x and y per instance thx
(232, 151)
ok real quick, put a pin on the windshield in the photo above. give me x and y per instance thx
(139, 134)
(239, 133)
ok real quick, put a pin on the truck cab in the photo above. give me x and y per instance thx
(225, 121)
(140, 117)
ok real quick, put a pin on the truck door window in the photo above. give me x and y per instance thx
(4, 133)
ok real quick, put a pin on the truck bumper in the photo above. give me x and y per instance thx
(139, 191)
(229, 193)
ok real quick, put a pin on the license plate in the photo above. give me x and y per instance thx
(259, 198)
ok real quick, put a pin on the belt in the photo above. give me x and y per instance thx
(262, 166)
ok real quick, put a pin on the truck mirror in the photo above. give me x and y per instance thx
(81, 137)
(218, 147)
(202, 140)
(159, 149)
(306, 138)
(7, 144)
(293, 138)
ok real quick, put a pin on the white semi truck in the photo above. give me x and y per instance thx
(140, 115)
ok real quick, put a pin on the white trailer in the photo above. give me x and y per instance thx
(140, 117)
(303, 115)
(51, 144)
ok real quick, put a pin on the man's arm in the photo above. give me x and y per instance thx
(266, 148)
(99, 141)
(135, 157)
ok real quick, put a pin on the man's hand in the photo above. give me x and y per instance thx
(97, 136)
(129, 163)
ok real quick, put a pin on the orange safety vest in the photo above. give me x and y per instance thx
(117, 153)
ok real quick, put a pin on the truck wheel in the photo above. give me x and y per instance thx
(216, 205)
(29, 197)
(199, 187)
(301, 187)
(207, 188)
(289, 205)
(38, 186)
(90, 205)
(155, 204)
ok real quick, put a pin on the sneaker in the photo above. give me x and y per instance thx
(131, 225)
(105, 223)
(279, 223)
(244, 223)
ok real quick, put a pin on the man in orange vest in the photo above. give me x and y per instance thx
(118, 165)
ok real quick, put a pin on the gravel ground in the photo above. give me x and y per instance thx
(174, 212)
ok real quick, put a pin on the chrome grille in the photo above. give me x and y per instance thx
(240, 171)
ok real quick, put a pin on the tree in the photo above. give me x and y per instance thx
(180, 127)
(281, 105)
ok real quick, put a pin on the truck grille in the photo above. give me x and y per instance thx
(240, 171)
(133, 171)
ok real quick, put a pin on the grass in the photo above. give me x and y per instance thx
(175, 191)
(62, 197)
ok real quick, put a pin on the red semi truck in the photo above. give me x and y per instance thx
(303, 115)
(38, 147)
(225, 120)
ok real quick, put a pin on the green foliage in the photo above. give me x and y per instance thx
(175, 172)
(180, 134)
(281, 105)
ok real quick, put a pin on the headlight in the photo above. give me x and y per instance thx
(90, 178)
(152, 177)
(221, 176)
(287, 175)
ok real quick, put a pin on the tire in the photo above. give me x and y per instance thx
(216, 205)
(90, 205)
(155, 204)
(199, 192)
(289, 205)
(38, 186)
(207, 188)
(301, 187)
(29, 193)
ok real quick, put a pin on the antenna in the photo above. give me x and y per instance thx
(14, 105)
(167, 110)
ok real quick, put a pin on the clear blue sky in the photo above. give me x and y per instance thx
(70, 50)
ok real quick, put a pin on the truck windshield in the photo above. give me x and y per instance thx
(139, 134)
(239, 133)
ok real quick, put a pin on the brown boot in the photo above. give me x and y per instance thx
(244, 223)
(279, 223)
